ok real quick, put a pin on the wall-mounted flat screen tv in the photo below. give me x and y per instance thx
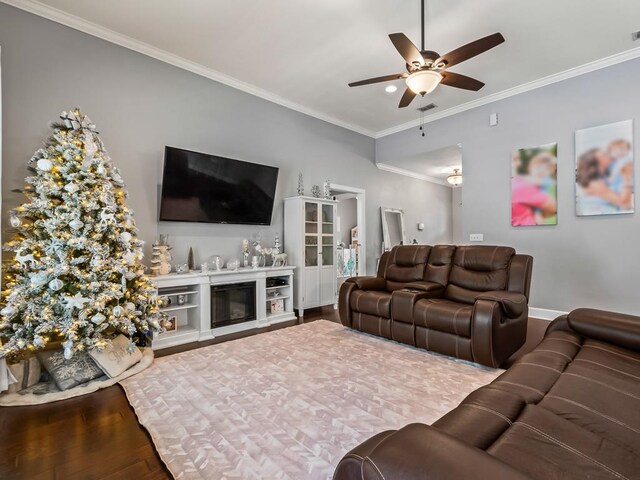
(197, 187)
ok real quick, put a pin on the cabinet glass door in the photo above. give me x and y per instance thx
(327, 235)
(311, 232)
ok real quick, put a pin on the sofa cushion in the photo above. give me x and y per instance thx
(406, 264)
(439, 264)
(478, 269)
(444, 315)
(371, 302)
(545, 445)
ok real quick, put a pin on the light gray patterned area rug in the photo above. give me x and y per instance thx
(289, 404)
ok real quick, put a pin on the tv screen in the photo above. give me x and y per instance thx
(197, 187)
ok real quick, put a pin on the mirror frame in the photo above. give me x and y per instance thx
(386, 238)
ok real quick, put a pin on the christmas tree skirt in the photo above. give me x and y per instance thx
(16, 399)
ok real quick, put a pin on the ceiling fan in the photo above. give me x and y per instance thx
(426, 69)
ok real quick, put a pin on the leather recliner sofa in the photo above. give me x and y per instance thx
(470, 302)
(568, 409)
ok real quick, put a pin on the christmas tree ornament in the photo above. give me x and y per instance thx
(76, 224)
(44, 164)
(117, 311)
(15, 221)
(39, 279)
(77, 301)
(71, 187)
(56, 284)
(73, 227)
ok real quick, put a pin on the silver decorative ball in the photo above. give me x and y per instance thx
(117, 311)
(56, 284)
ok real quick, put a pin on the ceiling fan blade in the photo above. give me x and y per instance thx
(407, 49)
(470, 50)
(461, 81)
(386, 78)
(407, 98)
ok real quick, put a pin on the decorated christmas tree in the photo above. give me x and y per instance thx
(76, 276)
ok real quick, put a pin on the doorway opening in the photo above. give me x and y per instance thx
(351, 238)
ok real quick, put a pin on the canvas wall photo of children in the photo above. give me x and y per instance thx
(604, 169)
(534, 193)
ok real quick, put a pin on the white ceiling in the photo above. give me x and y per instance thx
(302, 53)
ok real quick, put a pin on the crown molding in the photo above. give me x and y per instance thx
(525, 87)
(408, 173)
(83, 25)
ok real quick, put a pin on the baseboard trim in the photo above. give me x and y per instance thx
(545, 313)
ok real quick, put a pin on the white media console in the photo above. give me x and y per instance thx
(190, 307)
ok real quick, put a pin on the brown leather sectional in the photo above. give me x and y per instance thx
(467, 301)
(567, 410)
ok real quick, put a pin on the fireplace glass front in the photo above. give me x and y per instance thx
(231, 304)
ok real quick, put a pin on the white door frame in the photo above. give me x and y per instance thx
(361, 214)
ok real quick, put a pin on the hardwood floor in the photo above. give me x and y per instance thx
(97, 436)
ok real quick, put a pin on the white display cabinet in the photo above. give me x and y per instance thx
(309, 239)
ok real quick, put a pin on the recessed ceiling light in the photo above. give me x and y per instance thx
(390, 88)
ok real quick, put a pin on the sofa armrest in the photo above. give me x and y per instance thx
(513, 304)
(370, 283)
(419, 452)
(615, 328)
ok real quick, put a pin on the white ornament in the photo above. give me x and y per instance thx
(38, 341)
(39, 279)
(77, 301)
(105, 216)
(76, 224)
(117, 311)
(68, 349)
(98, 318)
(101, 170)
(56, 284)
(15, 221)
(22, 259)
(117, 179)
(125, 237)
(44, 164)
(129, 257)
(7, 311)
(96, 261)
(71, 187)
(129, 306)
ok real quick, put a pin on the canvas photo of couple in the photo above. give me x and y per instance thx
(604, 169)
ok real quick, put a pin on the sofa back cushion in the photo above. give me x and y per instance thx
(439, 264)
(405, 265)
(476, 269)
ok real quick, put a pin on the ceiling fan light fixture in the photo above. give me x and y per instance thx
(455, 178)
(390, 88)
(423, 82)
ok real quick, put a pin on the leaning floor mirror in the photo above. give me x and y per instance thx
(392, 227)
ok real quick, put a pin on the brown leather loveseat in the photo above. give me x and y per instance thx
(468, 301)
(566, 410)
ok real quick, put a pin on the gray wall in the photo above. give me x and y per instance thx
(457, 216)
(586, 261)
(140, 105)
